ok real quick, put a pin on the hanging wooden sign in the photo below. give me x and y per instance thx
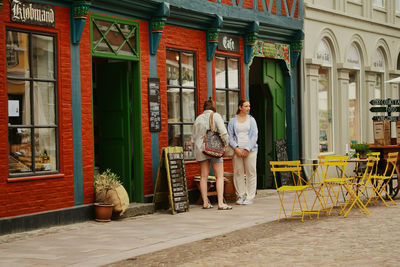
(32, 13)
(171, 181)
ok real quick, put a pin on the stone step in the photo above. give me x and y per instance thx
(136, 209)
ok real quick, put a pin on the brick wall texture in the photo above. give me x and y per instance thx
(25, 196)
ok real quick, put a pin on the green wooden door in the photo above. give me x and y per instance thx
(268, 107)
(260, 100)
(113, 119)
(273, 77)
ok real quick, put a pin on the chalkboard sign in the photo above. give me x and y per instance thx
(154, 105)
(171, 181)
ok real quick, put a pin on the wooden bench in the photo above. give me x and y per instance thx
(210, 185)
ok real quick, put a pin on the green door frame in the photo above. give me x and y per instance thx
(135, 85)
(273, 76)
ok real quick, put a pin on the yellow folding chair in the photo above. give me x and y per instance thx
(334, 185)
(314, 182)
(299, 202)
(380, 182)
(357, 186)
(360, 167)
(376, 156)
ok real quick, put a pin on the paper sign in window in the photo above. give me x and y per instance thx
(13, 108)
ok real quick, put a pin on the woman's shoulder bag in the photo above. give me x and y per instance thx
(213, 145)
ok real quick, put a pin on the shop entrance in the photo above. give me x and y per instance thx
(112, 102)
(267, 97)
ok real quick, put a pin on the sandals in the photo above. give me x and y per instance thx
(209, 206)
(225, 207)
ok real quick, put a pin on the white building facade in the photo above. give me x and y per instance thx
(351, 47)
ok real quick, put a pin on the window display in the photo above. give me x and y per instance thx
(181, 98)
(325, 111)
(227, 86)
(32, 103)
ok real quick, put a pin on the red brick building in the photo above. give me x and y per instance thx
(75, 91)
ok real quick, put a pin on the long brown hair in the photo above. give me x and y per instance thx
(209, 104)
(241, 102)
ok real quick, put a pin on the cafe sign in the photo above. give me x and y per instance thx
(32, 13)
(228, 43)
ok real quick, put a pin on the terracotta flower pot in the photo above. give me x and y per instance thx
(103, 212)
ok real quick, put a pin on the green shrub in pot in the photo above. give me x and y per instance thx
(109, 190)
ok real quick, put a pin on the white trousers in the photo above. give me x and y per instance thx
(245, 186)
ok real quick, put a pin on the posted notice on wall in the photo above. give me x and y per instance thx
(13, 108)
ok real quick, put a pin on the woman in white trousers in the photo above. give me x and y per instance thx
(243, 134)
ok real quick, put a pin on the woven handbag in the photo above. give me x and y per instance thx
(213, 145)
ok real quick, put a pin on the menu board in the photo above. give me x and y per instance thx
(171, 181)
(154, 105)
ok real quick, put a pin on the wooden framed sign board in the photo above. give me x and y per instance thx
(171, 181)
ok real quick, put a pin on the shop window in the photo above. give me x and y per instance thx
(379, 64)
(32, 103)
(378, 86)
(354, 107)
(325, 97)
(181, 97)
(354, 116)
(325, 111)
(227, 86)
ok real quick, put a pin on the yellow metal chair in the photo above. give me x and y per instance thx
(376, 156)
(317, 203)
(360, 167)
(334, 185)
(299, 201)
(380, 182)
(356, 188)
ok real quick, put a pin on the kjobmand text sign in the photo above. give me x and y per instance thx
(32, 13)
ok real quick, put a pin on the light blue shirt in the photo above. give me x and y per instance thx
(253, 134)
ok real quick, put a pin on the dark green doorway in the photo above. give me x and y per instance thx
(112, 102)
(267, 97)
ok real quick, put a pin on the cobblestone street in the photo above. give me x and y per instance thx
(358, 240)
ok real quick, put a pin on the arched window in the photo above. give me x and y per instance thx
(379, 65)
(354, 115)
(325, 98)
(324, 53)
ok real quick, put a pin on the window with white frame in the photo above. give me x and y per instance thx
(227, 86)
(354, 118)
(354, 115)
(325, 110)
(32, 103)
(325, 115)
(379, 3)
(379, 65)
(397, 6)
(181, 98)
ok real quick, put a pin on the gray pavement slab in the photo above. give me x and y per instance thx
(93, 244)
(357, 240)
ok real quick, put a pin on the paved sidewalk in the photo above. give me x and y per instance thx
(358, 240)
(94, 244)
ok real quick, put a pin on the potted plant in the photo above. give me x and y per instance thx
(109, 194)
(361, 149)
